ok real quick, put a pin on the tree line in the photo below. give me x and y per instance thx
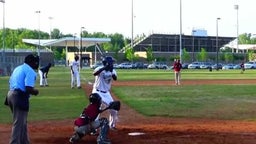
(13, 40)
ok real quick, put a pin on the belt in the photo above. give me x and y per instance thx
(101, 91)
(18, 90)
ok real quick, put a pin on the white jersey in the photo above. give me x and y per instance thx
(75, 66)
(103, 80)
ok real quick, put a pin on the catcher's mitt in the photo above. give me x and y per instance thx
(116, 105)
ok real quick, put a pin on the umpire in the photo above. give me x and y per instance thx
(21, 86)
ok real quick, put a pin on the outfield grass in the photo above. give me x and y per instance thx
(59, 101)
(192, 101)
(146, 74)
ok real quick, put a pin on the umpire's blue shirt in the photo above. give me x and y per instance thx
(21, 77)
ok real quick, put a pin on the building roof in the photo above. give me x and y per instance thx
(233, 45)
(67, 41)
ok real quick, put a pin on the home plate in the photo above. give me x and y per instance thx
(136, 133)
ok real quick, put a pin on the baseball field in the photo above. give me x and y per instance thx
(217, 107)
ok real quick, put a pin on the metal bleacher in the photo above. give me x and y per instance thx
(171, 43)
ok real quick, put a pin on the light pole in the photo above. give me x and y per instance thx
(181, 31)
(193, 47)
(39, 36)
(74, 43)
(217, 44)
(50, 19)
(81, 45)
(132, 27)
(237, 37)
(3, 36)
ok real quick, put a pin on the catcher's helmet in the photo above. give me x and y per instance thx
(95, 98)
(108, 60)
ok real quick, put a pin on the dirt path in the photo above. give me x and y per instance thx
(157, 130)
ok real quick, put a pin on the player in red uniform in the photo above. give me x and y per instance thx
(87, 122)
(177, 68)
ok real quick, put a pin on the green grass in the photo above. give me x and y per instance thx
(146, 74)
(59, 101)
(195, 101)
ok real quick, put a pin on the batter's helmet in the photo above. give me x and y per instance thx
(95, 98)
(76, 57)
(108, 60)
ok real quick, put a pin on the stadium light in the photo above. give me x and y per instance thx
(81, 45)
(181, 31)
(132, 27)
(217, 44)
(193, 43)
(50, 20)
(237, 35)
(74, 43)
(39, 36)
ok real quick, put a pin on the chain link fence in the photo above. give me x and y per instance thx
(9, 63)
(11, 59)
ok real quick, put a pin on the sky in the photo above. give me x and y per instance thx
(115, 16)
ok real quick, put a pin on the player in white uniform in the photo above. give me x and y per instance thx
(43, 73)
(75, 75)
(103, 80)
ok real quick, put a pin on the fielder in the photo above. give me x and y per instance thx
(103, 80)
(88, 122)
(242, 67)
(177, 67)
(43, 73)
(75, 74)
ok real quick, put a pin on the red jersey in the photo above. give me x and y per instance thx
(89, 114)
(177, 66)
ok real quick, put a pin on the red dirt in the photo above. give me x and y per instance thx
(157, 130)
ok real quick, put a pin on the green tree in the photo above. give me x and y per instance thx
(63, 54)
(202, 56)
(228, 57)
(117, 41)
(129, 54)
(13, 39)
(149, 53)
(185, 55)
(251, 55)
(56, 34)
(245, 38)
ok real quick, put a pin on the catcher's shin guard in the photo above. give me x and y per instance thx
(102, 138)
(75, 137)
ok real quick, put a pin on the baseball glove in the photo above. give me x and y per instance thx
(116, 105)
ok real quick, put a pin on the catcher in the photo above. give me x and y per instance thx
(87, 121)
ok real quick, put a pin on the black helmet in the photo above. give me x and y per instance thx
(76, 57)
(95, 98)
(108, 60)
